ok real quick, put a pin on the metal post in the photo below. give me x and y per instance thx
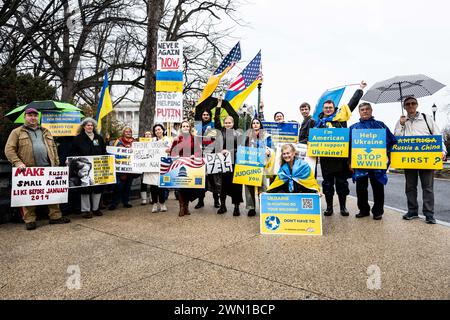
(259, 97)
(401, 98)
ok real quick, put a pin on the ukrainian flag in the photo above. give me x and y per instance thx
(105, 104)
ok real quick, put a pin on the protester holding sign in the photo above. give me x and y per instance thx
(144, 188)
(124, 180)
(295, 175)
(308, 123)
(278, 117)
(152, 178)
(89, 143)
(33, 146)
(418, 124)
(378, 178)
(336, 171)
(186, 145)
(227, 143)
(256, 137)
(203, 131)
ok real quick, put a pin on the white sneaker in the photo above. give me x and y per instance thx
(156, 208)
(163, 208)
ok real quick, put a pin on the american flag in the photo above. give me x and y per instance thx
(169, 164)
(251, 72)
(231, 58)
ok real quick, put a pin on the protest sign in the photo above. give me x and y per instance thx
(328, 142)
(169, 107)
(249, 168)
(123, 158)
(61, 124)
(182, 173)
(89, 171)
(290, 214)
(218, 163)
(417, 152)
(369, 149)
(146, 156)
(169, 56)
(169, 81)
(286, 132)
(37, 186)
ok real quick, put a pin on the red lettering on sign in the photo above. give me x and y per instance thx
(170, 63)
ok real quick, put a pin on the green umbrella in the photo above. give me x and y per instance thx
(17, 114)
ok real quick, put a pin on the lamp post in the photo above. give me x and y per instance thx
(434, 109)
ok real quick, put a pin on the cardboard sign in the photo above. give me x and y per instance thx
(146, 156)
(417, 152)
(169, 107)
(286, 132)
(87, 171)
(329, 142)
(170, 56)
(249, 168)
(123, 158)
(37, 186)
(369, 149)
(61, 124)
(218, 163)
(290, 214)
(182, 173)
(302, 150)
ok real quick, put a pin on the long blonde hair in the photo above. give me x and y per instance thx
(290, 145)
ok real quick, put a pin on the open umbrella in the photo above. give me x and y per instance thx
(396, 89)
(17, 114)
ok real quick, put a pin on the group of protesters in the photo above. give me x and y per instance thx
(31, 145)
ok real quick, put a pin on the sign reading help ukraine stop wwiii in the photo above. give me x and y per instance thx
(290, 214)
(417, 152)
(369, 149)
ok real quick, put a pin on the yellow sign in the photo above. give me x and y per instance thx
(290, 214)
(169, 86)
(104, 172)
(369, 149)
(248, 175)
(329, 142)
(417, 152)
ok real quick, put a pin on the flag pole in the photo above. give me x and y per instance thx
(259, 98)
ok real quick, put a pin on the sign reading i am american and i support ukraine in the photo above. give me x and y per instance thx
(290, 214)
(249, 168)
(329, 142)
(417, 152)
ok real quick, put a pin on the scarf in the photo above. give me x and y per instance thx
(300, 171)
(322, 123)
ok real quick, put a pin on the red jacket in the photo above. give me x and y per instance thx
(185, 146)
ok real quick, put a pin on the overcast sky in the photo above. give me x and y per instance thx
(310, 46)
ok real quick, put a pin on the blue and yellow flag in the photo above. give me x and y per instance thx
(105, 105)
(332, 94)
(227, 64)
(244, 84)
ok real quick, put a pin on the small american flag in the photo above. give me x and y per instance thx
(169, 164)
(251, 72)
(230, 60)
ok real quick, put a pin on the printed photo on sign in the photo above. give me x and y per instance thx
(36, 186)
(182, 173)
(91, 171)
(218, 163)
(290, 214)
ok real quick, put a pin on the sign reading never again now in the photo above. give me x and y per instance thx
(329, 142)
(369, 149)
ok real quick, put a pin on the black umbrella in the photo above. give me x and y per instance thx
(210, 104)
(396, 89)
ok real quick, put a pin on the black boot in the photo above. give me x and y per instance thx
(236, 211)
(342, 200)
(216, 200)
(200, 204)
(222, 209)
(329, 211)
